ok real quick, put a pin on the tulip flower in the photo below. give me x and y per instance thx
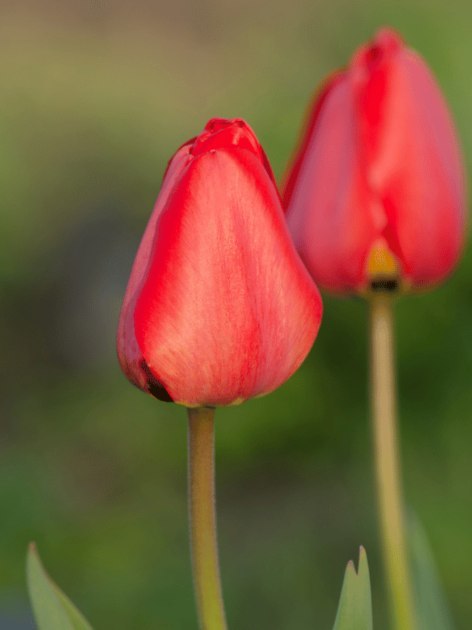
(375, 203)
(219, 308)
(375, 195)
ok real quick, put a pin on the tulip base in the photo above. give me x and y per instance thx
(387, 462)
(202, 518)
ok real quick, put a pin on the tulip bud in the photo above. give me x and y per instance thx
(219, 307)
(375, 196)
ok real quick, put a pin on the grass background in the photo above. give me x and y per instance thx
(95, 97)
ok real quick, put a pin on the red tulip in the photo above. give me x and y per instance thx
(219, 307)
(376, 192)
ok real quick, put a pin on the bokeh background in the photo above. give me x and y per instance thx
(95, 96)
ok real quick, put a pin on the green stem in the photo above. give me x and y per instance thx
(387, 458)
(202, 517)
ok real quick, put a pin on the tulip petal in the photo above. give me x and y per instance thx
(129, 353)
(414, 165)
(331, 213)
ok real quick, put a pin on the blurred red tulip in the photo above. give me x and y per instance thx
(219, 307)
(375, 195)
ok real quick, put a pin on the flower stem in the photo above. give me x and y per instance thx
(202, 518)
(387, 462)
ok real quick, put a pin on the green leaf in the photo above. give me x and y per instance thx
(432, 609)
(52, 609)
(355, 604)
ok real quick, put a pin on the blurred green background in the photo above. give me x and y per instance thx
(95, 97)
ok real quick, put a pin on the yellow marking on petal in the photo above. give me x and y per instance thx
(381, 262)
(383, 272)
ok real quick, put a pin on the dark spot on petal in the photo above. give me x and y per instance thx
(154, 387)
(389, 285)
